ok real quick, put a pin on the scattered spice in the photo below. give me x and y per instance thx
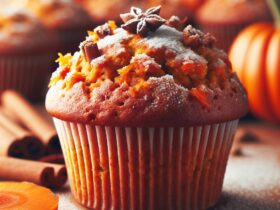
(105, 29)
(236, 150)
(177, 23)
(249, 138)
(90, 50)
(194, 38)
(246, 136)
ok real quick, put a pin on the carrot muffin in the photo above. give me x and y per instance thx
(25, 53)
(146, 115)
(231, 18)
(64, 17)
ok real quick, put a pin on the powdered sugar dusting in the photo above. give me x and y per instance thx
(165, 82)
(165, 36)
(119, 37)
(168, 89)
(98, 60)
(146, 60)
(170, 38)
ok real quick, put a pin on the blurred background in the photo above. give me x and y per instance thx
(32, 32)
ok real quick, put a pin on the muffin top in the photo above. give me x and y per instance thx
(146, 73)
(233, 11)
(59, 14)
(20, 32)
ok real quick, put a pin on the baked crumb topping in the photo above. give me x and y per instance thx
(130, 59)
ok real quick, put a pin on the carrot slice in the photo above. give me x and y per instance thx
(26, 196)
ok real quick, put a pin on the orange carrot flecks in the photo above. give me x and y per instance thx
(200, 95)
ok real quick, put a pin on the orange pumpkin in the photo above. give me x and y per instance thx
(255, 56)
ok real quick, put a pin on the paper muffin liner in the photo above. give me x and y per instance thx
(224, 33)
(146, 168)
(27, 74)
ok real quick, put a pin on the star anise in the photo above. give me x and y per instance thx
(139, 22)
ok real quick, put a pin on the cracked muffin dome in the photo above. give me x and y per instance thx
(146, 73)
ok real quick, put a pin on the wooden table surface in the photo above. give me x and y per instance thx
(252, 181)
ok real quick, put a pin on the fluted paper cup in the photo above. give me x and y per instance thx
(27, 74)
(146, 168)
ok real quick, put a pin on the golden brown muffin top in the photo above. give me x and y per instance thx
(148, 73)
(21, 32)
(57, 14)
(233, 11)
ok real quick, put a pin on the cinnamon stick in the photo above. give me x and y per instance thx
(17, 142)
(53, 158)
(45, 174)
(32, 119)
(9, 115)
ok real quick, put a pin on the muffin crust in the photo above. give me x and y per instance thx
(167, 77)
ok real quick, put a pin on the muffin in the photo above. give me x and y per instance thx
(64, 17)
(25, 53)
(232, 17)
(103, 10)
(146, 115)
